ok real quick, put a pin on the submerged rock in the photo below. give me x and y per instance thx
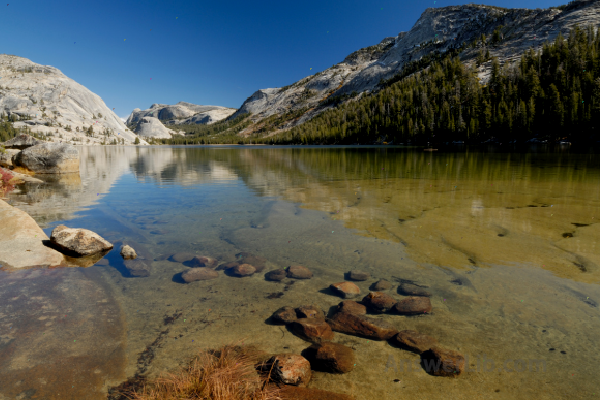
(413, 306)
(49, 158)
(78, 242)
(128, 253)
(181, 257)
(379, 302)
(290, 369)
(310, 311)
(312, 329)
(276, 275)
(361, 325)
(351, 307)
(443, 362)
(199, 274)
(242, 270)
(414, 341)
(381, 285)
(298, 272)
(408, 289)
(258, 262)
(137, 268)
(203, 261)
(330, 357)
(346, 290)
(358, 275)
(285, 315)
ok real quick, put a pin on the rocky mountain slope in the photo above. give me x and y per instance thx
(151, 122)
(42, 98)
(437, 30)
(181, 113)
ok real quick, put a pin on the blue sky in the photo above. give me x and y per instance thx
(135, 53)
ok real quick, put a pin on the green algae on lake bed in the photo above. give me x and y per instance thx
(509, 297)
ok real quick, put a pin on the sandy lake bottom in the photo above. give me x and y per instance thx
(507, 243)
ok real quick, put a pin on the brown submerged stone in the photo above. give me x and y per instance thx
(298, 272)
(413, 306)
(414, 341)
(258, 262)
(381, 285)
(443, 362)
(290, 369)
(137, 268)
(408, 289)
(310, 311)
(199, 274)
(181, 257)
(346, 290)
(242, 270)
(203, 261)
(276, 275)
(330, 357)
(285, 315)
(312, 329)
(360, 325)
(351, 307)
(379, 302)
(358, 275)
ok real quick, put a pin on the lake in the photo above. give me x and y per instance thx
(507, 243)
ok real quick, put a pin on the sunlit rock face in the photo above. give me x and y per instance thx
(151, 127)
(181, 113)
(55, 102)
(438, 29)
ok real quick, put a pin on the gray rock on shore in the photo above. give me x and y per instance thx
(49, 158)
(78, 242)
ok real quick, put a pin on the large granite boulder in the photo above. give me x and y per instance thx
(7, 158)
(49, 158)
(21, 241)
(78, 242)
(21, 142)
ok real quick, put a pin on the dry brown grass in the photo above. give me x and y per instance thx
(225, 374)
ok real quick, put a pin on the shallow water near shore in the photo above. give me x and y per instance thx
(507, 243)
